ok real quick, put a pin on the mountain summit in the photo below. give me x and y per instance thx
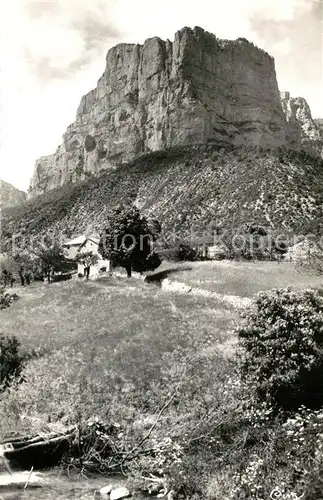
(161, 94)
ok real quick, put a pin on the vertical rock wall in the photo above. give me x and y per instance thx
(163, 94)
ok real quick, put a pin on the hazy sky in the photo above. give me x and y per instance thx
(53, 52)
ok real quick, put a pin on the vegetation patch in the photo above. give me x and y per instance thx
(152, 382)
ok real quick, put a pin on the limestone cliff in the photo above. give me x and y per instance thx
(301, 126)
(161, 94)
(10, 196)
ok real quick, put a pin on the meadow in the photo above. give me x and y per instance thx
(124, 351)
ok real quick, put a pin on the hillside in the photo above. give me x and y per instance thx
(10, 196)
(186, 189)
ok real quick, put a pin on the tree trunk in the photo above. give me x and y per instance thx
(128, 269)
(87, 272)
(21, 276)
(27, 279)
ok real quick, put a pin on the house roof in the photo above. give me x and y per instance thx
(80, 240)
(75, 241)
(94, 240)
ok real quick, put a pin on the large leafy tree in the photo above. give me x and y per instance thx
(87, 259)
(24, 266)
(128, 240)
(17, 264)
(50, 257)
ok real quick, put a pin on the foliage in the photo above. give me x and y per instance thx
(150, 379)
(17, 265)
(24, 265)
(281, 342)
(184, 188)
(87, 259)
(253, 241)
(11, 362)
(287, 460)
(185, 253)
(308, 255)
(50, 257)
(6, 298)
(128, 240)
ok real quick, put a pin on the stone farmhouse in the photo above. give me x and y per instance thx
(82, 244)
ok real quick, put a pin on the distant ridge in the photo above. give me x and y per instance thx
(10, 196)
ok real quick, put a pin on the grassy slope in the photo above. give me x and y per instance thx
(245, 278)
(185, 188)
(115, 332)
(118, 349)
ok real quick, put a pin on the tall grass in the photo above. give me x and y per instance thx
(113, 348)
(127, 352)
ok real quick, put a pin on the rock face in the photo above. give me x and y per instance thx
(10, 196)
(163, 94)
(302, 128)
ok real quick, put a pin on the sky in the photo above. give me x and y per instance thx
(53, 52)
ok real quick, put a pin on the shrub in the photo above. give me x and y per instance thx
(11, 362)
(281, 341)
(186, 252)
(6, 298)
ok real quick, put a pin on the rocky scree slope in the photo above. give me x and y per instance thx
(10, 196)
(163, 94)
(187, 189)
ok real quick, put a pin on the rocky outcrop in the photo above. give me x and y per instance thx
(10, 196)
(302, 128)
(163, 94)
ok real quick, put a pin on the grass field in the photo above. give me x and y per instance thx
(118, 349)
(243, 278)
(119, 332)
(112, 333)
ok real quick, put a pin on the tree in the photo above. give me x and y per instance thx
(23, 264)
(128, 240)
(50, 257)
(87, 259)
(186, 253)
(308, 254)
(11, 361)
(18, 264)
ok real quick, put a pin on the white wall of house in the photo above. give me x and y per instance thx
(82, 244)
(71, 251)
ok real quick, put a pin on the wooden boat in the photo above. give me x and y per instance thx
(39, 452)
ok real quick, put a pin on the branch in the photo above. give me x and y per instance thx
(147, 436)
(151, 429)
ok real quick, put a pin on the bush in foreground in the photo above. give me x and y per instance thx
(282, 340)
(11, 362)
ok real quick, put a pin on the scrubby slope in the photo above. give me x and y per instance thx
(186, 189)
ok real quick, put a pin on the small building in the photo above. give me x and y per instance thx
(83, 244)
